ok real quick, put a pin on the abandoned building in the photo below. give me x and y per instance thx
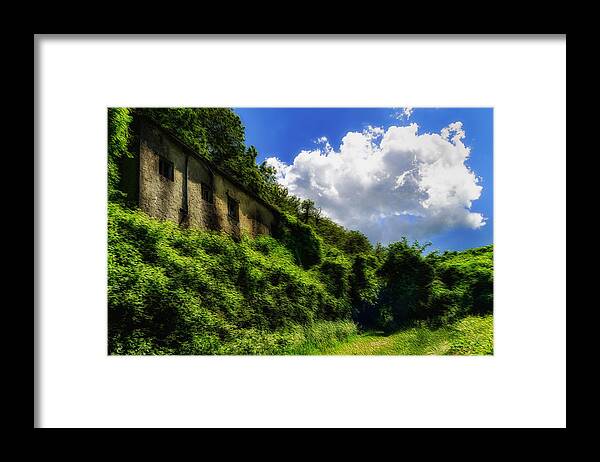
(168, 179)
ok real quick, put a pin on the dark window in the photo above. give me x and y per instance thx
(165, 168)
(207, 193)
(233, 208)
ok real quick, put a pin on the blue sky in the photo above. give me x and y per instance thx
(384, 181)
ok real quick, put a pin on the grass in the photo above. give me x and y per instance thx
(472, 335)
(321, 336)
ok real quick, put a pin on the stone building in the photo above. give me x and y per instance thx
(168, 179)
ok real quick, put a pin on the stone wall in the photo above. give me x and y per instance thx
(164, 198)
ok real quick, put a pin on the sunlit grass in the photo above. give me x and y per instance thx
(470, 336)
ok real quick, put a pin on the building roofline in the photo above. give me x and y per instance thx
(211, 166)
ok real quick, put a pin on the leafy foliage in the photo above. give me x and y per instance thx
(119, 120)
(365, 290)
(197, 292)
(407, 277)
(300, 239)
(410, 287)
(463, 285)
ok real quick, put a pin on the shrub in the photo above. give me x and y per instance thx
(463, 283)
(435, 289)
(119, 120)
(407, 276)
(300, 239)
(365, 288)
(200, 292)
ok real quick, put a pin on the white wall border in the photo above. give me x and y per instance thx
(523, 384)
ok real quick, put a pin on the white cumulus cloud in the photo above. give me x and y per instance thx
(389, 183)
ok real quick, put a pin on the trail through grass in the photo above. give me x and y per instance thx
(470, 336)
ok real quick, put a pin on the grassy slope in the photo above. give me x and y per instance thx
(470, 336)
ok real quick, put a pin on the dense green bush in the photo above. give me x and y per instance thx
(410, 287)
(197, 292)
(463, 285)
(407, 278)
(334, 271)
(349, 242)
(300, 239)
(119, 120)
(365, 290)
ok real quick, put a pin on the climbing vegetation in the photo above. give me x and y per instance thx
(196, 292)
(119, 136)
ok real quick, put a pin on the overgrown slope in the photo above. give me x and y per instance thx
(174, 291)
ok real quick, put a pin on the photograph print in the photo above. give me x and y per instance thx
(300, 231)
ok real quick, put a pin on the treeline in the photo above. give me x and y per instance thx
(311, 284)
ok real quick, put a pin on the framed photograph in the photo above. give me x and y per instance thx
(258, 249)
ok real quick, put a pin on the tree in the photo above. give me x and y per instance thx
(307, 207)
(356, 243)
(317, 215)
(407, 277)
